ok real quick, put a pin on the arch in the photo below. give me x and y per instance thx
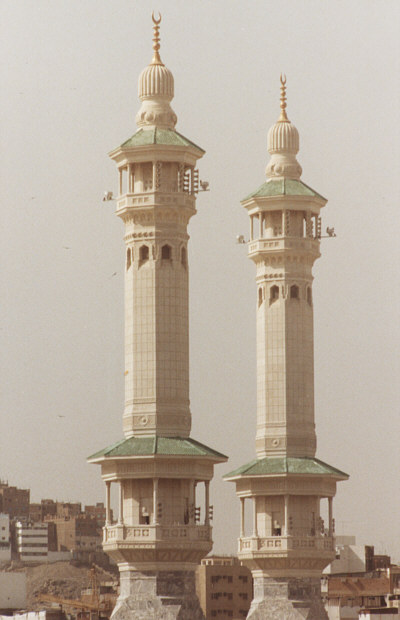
(309, 295)
(144, 253)
(294, 292)
(128, 258)
(166, 252)
(260, 296)
(184, 257)
(273, 293)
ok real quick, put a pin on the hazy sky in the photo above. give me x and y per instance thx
(68, 96)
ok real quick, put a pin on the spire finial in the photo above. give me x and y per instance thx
(156, 39)
(283, 117)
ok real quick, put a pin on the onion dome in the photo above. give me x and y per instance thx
(283, 144)
(156, 90)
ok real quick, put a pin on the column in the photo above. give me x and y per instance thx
(242, 523)
(251, 228)
(286, 515)
(255, 531)
(155, 500)
(260, 224)
(330, 502)
(207, 502)
(129, 181)
(121, 503)
(192, 502)
(154, 176)
(108, 495)
(120, 181)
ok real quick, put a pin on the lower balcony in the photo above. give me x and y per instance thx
(279, 544)
(140, 534)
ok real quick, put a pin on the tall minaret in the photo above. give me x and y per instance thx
(289, 544)
(160, 535)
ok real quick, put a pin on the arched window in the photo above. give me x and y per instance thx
(309, 295)
(294, 292)
(128, 258)
(260, 296)
(184, 257)
(273, 294)
(144, 253)
(166, 252)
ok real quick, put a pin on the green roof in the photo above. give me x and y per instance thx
(286, 465)
(144, 137)
(147, 446)
(284, 187)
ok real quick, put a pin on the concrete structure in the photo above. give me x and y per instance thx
(289, 544)
(14, 501)
(12, 592)
(224, 587)
(352, 558)
(32, 541)
(160, 536)
(5, 540)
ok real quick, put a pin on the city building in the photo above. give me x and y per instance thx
(97, 512)
(160, 535)
(288, 544)
(14, 501)
(32, 541)
(5, 540)
(77, 534)
(224, 587)
(352, 558)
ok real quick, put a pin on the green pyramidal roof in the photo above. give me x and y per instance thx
(286, 465)
(144, 137)
(147, 446)
(284, 187)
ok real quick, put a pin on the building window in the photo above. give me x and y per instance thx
(294, 292)
(183, 257)
(144, 253)
(273, 294)
(260, 296)
(128, 258)
(166, 252)
(309, 295)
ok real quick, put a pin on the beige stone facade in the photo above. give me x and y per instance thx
(287, 544)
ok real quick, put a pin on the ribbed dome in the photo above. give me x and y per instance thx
(156, 80)
(283, 137)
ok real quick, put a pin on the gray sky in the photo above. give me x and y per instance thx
(69, 95)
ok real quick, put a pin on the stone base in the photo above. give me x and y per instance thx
(287, 599)
(157, 595)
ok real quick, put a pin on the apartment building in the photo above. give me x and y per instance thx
(32, 541)
(224, 588)
(14, 501)
(5, 542)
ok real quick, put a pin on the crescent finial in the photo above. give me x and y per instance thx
(283, 117)
(156, 21)
(156, 39)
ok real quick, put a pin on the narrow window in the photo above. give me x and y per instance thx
(144, 253)
(294, 292)
(309, 295)
(166, 252)
(183, 257)
(260, 296)
(128, 258)
(273, 294)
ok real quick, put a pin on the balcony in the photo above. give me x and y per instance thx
(151, 534)
(281, 544)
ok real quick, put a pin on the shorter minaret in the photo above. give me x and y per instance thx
(162, 474)
(289, 544)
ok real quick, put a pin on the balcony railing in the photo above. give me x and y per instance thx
(276, 544)
(153, 533)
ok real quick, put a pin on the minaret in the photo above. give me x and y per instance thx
(289, 543)
(160, 535)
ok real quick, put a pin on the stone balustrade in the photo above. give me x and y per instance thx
(153, 533)
(276, 544)
(285, 243)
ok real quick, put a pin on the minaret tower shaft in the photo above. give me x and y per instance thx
(288, 545)
(160, 535)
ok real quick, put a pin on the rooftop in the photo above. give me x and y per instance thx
(152, 445)
(284, 187)
(155, 135)
(286, 465)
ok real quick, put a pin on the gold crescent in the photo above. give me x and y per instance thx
(283, 79)
(156, 21)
